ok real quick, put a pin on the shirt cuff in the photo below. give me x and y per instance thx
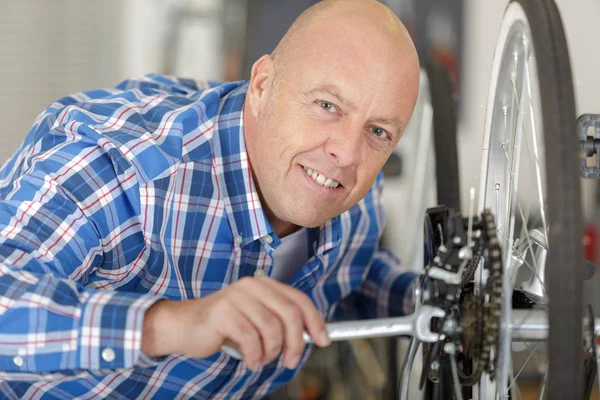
(111, 330)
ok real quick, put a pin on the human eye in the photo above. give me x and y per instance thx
(380, 132)
(327, 106)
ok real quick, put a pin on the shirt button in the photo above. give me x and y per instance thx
(108, 355)
(238, 239)
(259, 273)
(267, 239)
(18, 360)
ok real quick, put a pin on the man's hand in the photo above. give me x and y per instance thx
(260, 316)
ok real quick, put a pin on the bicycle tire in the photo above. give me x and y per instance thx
(564, 268)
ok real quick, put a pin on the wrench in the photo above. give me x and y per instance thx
(416, 325)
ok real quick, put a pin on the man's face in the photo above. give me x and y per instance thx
(325, 129)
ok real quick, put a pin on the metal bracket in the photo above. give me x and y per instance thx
(588, 129)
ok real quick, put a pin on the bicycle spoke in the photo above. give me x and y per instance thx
(522, 144)
(515, 387)
(457, 385)
(538, 167)
(532, 268)
(543, 387)
(523, 366)
(525, 220)
(518, 202)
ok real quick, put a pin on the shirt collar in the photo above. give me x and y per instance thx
(246, 215)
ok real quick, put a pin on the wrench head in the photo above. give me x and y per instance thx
(422, 323)
(232, 352)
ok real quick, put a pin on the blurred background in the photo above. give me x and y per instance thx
(51, 48)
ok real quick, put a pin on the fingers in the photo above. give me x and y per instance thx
(263, 316)
(292, 321)
(259, 315)
(312, 320)
(314, 323)
(295, 313)
(268, 325)
(246, 336)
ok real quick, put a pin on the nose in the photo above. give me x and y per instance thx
(344, 145)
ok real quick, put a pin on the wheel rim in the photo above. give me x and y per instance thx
(513, 181)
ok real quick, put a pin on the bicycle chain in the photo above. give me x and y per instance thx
(469, 272)
(480, 319)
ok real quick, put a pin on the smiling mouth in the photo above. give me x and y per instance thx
(321, 179)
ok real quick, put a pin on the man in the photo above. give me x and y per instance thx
(145, 226)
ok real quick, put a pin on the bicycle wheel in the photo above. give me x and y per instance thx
(530, 181)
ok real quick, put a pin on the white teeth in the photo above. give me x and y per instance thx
(321, 179)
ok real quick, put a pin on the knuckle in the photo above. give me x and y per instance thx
(292, 312)
(272, 332)
(305, 303)
(272, 350)
(270, 323)
(222, 307)
(243, 330)
(250, 344)
(273, 335)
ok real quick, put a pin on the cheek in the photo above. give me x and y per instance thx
(270, 135)
(292, 136)
(366, 175)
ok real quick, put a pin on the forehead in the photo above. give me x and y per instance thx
(357, 87)
(370, 65)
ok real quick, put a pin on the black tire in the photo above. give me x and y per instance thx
(564, 269)
(443, 95)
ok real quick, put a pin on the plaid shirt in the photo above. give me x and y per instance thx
(120, 197)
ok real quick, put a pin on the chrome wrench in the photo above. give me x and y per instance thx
(417, 325)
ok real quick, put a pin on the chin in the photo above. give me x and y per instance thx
(310, 220)
(295, 211)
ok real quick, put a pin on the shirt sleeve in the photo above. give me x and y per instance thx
(387, 291)
(67, 206)
(388, 286)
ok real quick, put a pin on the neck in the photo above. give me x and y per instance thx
(281, 228)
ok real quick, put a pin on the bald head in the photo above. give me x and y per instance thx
(343, 19)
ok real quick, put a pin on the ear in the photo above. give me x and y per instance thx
(261, 81)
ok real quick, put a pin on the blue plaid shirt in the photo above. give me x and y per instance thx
(121, 197)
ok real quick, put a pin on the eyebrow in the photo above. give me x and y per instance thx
(334, 91)
(390, 121)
